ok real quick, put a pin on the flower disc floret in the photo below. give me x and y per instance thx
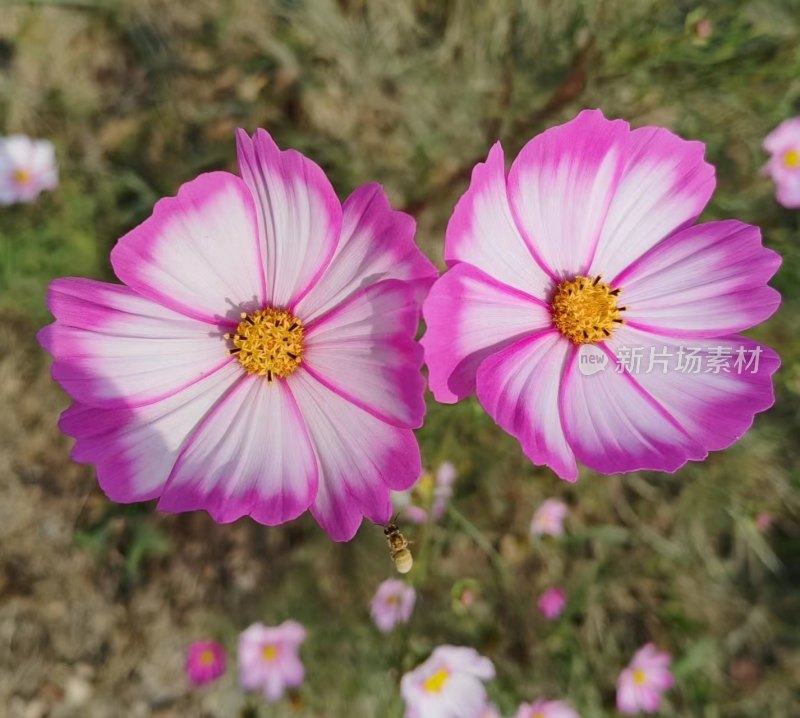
(268, 342)
(585, 310)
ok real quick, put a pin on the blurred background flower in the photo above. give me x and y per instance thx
(647, 677)
(546, 709)
(448, 685)
(783, 146)
(429, 496)
(269, 659)
(205, 662)
(548, 520)
(27, 168)
(392, 603)
(551, 603)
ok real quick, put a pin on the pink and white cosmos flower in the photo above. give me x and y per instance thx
(552, 602)
(205, 662)
(585, 251)
(783, 146)
(259, 359)
(548, 519)
(641, 685)
(448, 685)
(269, 659)
(546, 709)
(392, 604)
(27, 168)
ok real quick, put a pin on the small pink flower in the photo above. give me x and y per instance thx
(573, 270)
(783, 145)
(549, 518)
(764, 521)
(641, 684)
(205, 662)
(392, 604)
(429, 492)
(448, 685)
(269, 658)
(259, 358)
(27, 168)
(552, 602)
(546, 709)
(490, 711)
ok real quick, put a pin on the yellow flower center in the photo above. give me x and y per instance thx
(435, 683)
(268, 342)
(639, 676)
(539, 714)
(393, 600)
(269, 652)
(207, 658)
(423, 489)
(21, 176)
(585, 310)
(792, 159)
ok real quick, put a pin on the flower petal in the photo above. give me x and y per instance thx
(464, 659)
(714, 407)
(561, 186)
(614, 426)
(482, 232)
(519, 389)
(198, 253)
(469, 316)
(365, 350)
(251, 455)
(665, 186)
(706, 281)
(360, 458)
(377, 243)
(114, 348)
(134, 449)
(299, 215)
(465, 696)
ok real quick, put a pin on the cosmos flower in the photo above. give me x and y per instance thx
(269, 659)
(428, 494)
(546, 709)
(490, 711)
(392, 604)
(205, 662)
(641, 684)
(448, 685)
(783, 146)
(586, 255)
(260, 358)
(551, 603)
(548, 520)
(27, 168)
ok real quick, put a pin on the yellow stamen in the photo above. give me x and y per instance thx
(268, 342)
(21, 176)
(435, 683)
(207, 658)
(792, 159)
(585, 310)
(639, 676)
(539, 715)
(269, 652)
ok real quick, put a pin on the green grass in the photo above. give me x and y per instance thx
(141, 96)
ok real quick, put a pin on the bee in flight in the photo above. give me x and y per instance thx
(398, 547)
